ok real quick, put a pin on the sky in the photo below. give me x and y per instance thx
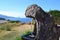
(16, 8)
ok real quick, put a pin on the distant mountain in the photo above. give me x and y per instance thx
(2, 18)
(23, 20)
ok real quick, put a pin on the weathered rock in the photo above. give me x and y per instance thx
(58, 27)
(45, 28)
(33, 10)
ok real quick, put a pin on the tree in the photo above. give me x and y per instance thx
(56, 14)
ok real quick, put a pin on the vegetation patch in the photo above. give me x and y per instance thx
(56, 14)
(25, 33)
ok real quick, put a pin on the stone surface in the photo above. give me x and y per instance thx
(58, 26)
(45, 28)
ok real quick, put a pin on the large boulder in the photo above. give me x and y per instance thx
(45, 28)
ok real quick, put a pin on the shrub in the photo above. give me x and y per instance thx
(15, 21)
(56, 14)
(27, 32)
(8, 27)
(18, 38)
(5, 27)
(33, 22)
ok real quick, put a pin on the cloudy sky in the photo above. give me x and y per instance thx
(16, 8)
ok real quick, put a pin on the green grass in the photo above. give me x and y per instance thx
(5, 27)
(20, 36)
(10, 36)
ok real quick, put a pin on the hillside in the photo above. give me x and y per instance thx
(23, 20)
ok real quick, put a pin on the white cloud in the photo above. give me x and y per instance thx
(13, 14)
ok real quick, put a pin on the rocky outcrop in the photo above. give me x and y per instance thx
(45, 28)
(58, 26)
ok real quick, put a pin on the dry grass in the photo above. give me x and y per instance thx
(23, 28)
(16, 31)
